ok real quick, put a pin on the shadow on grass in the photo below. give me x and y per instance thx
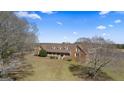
(81, 72)
(21, 73)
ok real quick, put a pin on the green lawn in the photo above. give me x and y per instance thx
(49, 69)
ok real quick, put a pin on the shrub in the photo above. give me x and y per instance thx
(120, 46)
(42, 53)
(68, 58)
(53, 57)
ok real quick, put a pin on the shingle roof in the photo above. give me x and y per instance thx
(61, 47)
(57, 47)
(82, 48)
(57, 51)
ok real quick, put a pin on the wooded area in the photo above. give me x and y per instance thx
(16, 37)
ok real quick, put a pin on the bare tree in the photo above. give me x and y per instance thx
(16, 37)
(100, 53)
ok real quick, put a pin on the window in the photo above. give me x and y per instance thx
(75, 54)
(66, 48)
(76, 50)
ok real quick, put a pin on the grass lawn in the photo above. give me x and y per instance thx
(53, 69)
(49, 69)
(116, 71)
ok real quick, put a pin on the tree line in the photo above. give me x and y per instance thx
(100, 52)
(16, 37)
(120, 46)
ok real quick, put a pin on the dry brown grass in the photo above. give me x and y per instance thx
(49, 69)
(52, 69)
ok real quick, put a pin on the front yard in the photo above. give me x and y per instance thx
(49, 69)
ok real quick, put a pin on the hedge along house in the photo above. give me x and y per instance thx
(63, 50)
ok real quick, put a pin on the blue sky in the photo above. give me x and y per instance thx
(68, 26)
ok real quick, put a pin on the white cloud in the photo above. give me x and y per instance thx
(48, 12)
(104, 34)
(104, 12)
(59, 23)
(110, 25)
(28, 15)
(65, 37)
(101, 27)
(75, 33)
(117, 21)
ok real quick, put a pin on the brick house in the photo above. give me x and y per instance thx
(63, 50)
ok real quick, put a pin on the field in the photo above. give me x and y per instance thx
(116, 71)
(49, 69)
(52, 69)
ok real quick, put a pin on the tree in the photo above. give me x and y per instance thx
(42, 53)
(100, 53)
(120, 46)
(84, 40)
(16, 37)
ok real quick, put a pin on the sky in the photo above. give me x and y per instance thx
(68, 26)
